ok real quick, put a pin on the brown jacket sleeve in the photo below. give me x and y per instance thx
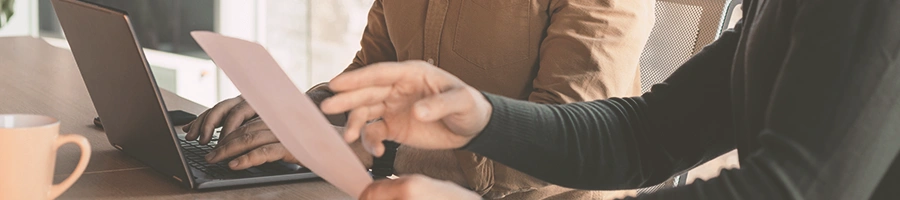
(592, 50)
(376, 43)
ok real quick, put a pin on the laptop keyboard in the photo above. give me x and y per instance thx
(195, 154)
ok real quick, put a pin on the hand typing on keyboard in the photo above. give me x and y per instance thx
(261, 146)
(229, 114)
(245, 136)
(235, 112)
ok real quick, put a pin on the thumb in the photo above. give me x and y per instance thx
(457, 101)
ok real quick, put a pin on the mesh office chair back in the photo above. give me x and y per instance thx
(683, 28)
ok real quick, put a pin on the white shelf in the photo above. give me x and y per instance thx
(24, 21)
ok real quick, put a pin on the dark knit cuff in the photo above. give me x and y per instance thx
(502, 130)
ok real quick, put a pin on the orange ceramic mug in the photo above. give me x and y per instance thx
(28, 145)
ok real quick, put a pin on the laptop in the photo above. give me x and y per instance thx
(127, 98)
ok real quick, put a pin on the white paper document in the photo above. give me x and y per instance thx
(288, 112)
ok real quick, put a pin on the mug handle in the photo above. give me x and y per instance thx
(58, 189)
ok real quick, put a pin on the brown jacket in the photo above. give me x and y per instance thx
(546, 51)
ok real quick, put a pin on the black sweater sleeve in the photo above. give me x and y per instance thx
(831, 128)
(620, 143)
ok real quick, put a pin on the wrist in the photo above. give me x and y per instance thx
(319, 93)
(486, 106)
(484, 110)
(384, 166)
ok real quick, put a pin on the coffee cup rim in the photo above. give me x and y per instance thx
(48, 121)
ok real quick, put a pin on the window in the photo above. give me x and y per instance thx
(162, 25)
(313, 40)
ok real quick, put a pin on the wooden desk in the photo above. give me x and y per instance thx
(37, 78)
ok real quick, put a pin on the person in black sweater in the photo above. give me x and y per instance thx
(808, 91)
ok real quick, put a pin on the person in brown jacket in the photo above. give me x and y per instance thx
(545, 51)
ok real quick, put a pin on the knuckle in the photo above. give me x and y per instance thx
(248, 138)
(263, 154)
(264, 150)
